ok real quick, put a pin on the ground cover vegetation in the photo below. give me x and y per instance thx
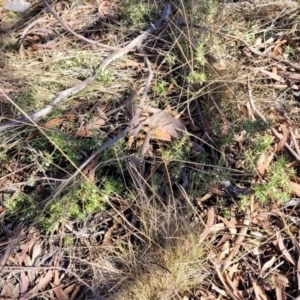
(150, 150)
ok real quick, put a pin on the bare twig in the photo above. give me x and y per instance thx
(67, 27)
(295, 142)
(46, 110)
(135, 120)
(136, 43)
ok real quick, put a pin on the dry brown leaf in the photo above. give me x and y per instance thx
(280, 295)
(230, 225)
(209, 223)
(59, 293)
(224, 250)
(59, 120)
(233, 269)
(75, 292)
(161, 135)
(36, 251)
(24, 286)
(267, 265)
(166, 123)
(298, 273)
(295, 187)
(10, 291)
(285, 136)
(90, 169)
(232, 287)
(27, 261)
(283, 249)
(258, 291)
(70, 288)
(32, 135)
(238, 242)
(277, 51)
(87, 131)
(26, 249)
(264, 162)
(54, 122)
(218, 290)
(44, 281)
(204, 198)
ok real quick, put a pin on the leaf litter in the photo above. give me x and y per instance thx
(252, 254)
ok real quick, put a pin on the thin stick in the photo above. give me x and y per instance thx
(68, 28)
(49, 108)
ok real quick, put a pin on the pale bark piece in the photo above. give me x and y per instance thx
(17, 5)
(24, 286)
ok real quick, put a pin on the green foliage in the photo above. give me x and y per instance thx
(276, 186)
(258, 144)
(22, 206)
(170, 59)
(178, 149)
(200, 52)
(253, 127)
(87, 199)
(104, 76)
(244, 202)
(161, 88)
(225, 209)
(134, 13)
(196, 77)
(68, 242)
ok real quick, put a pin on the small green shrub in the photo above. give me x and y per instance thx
(276, 186)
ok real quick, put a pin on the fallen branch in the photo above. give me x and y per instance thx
(78, 87)
(46, 110)
(134, 122)
(79, 36)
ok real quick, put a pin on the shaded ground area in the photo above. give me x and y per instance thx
(150, 150)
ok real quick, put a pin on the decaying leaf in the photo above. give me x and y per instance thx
(87, 130)
(44, 281)
(264, 161)
(24, 286)
(165, 125)
(279, 243)
(268, 264)
(59, 293)
(284, 139)
(295, 187)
